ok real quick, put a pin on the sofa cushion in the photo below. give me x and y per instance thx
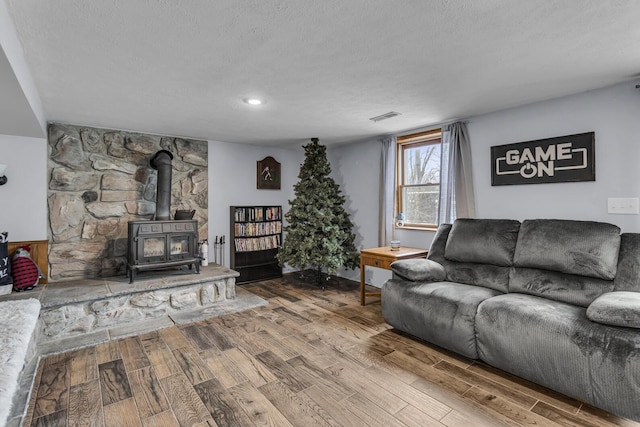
(442, 313)
(483, 241)
(419, 269)
(569, 288)
(584, 248)
(436, 251)
(628, 274)
(616, 309)
(537, 339)
(486, 275)
(554, 344)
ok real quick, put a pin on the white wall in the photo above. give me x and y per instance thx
(20, 102)
(232, 182)
(23, 199)
(356, 168)
(613, 113)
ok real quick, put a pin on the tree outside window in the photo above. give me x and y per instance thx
(418, 189)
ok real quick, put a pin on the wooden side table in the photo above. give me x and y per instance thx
(382, 258)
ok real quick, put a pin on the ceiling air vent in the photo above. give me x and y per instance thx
(384, 116)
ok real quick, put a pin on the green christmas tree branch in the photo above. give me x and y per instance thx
(320, 232)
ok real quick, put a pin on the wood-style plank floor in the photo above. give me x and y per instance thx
(310, 357)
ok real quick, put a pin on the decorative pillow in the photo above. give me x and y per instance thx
(585, 248)
(419, 270)
(482, 241)
(616, 309)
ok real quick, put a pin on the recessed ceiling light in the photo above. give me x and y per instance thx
(253, 101)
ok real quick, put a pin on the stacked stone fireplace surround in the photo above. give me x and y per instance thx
(99, 180)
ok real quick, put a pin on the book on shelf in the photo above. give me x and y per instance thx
(272, 213)
(251, 229)
(257, 243)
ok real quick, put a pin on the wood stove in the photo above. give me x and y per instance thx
(162, 243)
(158, 244)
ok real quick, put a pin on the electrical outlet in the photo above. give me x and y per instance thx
(623, 206)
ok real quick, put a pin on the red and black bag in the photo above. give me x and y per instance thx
(25, 272)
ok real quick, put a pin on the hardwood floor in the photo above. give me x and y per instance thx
(310, 357)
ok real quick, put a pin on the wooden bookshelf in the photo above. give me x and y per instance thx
(256, 236)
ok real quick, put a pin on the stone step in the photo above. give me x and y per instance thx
(81, 307)
(18, 320)
(85, 306)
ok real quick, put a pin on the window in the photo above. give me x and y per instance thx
(418, 178)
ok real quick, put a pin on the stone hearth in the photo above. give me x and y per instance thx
(104, 309)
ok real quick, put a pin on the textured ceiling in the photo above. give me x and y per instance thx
(324, 67)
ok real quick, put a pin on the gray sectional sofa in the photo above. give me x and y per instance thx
(553, 301)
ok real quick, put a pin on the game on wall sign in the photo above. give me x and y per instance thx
(563, 159)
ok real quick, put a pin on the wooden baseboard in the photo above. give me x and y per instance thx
(39, 254)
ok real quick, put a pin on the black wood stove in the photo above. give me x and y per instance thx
(159, 244)
(162, 243)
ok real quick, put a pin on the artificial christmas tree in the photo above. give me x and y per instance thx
(320, 232)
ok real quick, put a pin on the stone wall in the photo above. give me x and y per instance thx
(100, 179)
(92, 316)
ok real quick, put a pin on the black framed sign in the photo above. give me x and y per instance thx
(568, 158)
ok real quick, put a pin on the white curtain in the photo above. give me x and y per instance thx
(387, 190)
(456, 184)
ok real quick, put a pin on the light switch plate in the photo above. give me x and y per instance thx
(623, 206)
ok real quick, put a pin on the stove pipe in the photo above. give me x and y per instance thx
(161, 161)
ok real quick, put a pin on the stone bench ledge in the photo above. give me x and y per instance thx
(81, 307)
(18, 321)
(83, 290)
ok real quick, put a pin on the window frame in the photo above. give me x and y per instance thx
(430, 137)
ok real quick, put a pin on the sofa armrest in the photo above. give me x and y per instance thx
(616, 309)
(419, 270)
